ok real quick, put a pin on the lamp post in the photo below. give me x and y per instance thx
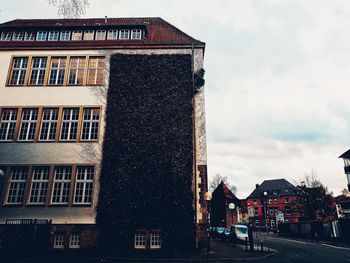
(231, 206)
(346, 158)
(207, 198)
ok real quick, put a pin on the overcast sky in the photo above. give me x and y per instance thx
(277, 80)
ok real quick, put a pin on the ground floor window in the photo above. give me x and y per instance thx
(272, 223)
(74, 240)
(58, 240)
(156, 241)
(148, 239)
(140, 240)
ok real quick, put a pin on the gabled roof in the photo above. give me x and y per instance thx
(345, 155)
(158, 31)
(282, 186)
(222, 188)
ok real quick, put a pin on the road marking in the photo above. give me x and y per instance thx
(291, 240)
(328, 245)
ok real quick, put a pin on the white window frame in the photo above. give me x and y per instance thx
(140, 240)
(84, 185)
(255, 201)
(286, 200)
(51, 122)
(61, 185)
(89, 35)
(275, 201)
(40, 185)
(8, 126)
(29, 36)
(90, 124)
(53, 35)
(270, 201)
(17, 36)
(65, 35)
(77, 35)
(21, 69)
(17, 185)
(155, 240)
(272, 222)
(41, 36)
(112, 34)
(74, 240)
(58, 242)
(77, 69)
(96, 70)
(60, 70)
(40, 70)
(136, 34)
(6, 36)
(72, 123)
(100, 35)
(31, 124)
(274, 192)
(124, 34)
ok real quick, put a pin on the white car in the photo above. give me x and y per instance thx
(242, 232)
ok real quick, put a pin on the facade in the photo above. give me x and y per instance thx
(61, 93)
(272, 202)
(343, 206)
(220, 213)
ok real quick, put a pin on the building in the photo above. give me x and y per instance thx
(272, 202)
(74, 90)
(343, 204)
(220, 212)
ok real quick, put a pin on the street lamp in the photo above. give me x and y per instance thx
(346, 158)
(207, 198)
(231, 206)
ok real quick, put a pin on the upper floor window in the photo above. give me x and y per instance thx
(95, 71)
(77, 35)
(112, 34)
(37, 75)
(17, 185)
(124, 34)
(90, 124)
(8, 124)
(274, 192)
(70, 124)
(275, 201)
(136, 34)
(17, 36)
(40, 185)
(57, 70)
(41, 36)
(53, 36)
(6, 36)
(100, 35)
(76, 70)
(29, 36)
(65, 36)
(84, 185)
(61, 185)
(89, 35)
(28, 125)
(286, 200)
(49, 125)
(255, 201)
(19, 69)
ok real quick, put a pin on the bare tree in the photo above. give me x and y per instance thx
(217, 179)
(70, 8)
(310, 180)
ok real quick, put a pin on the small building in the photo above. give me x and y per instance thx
(220, 212)
(272, 202)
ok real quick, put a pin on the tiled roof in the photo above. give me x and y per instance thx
(158, 31)
(222, 188)
(345, 155)
(282, 186)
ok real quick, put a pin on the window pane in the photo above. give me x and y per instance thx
(6, 36)
(70, 124)
(61, 187)
(77, 35)
(19, 69)
(17, 185)
(40, 183)
(57, 71)
(37, 75)
(100, 35)
(29, 36)
(76, 71)
(49, 125)
(28, 125)
(96, 71)
(89, 35)
(17, 36)
(65, 36)
(112, 34)
(8, 124)
(53, 36)
(41, 36)
(84, 185)
(90, 124)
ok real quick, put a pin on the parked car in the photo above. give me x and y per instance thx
(217, 232)
(241, 232)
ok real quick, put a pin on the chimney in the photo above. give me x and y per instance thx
(257, 186)
(105, 19)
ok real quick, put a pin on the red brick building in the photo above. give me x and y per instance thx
(274, 200)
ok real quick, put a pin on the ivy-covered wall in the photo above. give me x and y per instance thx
(147, 162)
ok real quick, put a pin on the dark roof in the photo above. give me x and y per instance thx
(158, 31)
(345, 155)
(282, 186)
(222, 188)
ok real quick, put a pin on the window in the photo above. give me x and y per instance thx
(90, 124)
(288, 211)
(70, 124)
(112, 34)
(95, 70)
(140, 240)
(275, 201)
(61, 185)
(48, 125)
(286, 200)
(256, 212)
(77, 35)
(124, 34)
(76, 70)
(155, 240)
(89, 35)
(65, 36)
(256, 222)
(100, 35)
(58, 240)
(57, 70)
(17, 185)
(270, 201)
(272, 222)
(255, 202)
(8, 124)
(136, 34)
(41, 36)
(6, 36)
(53, 36)
(28, 125)
(271, 212)
(37, 75)
(74, 240)
(17, 36)
(40, 185)
(274, 192)
(19, 69)
(84, 185)
(29, 36)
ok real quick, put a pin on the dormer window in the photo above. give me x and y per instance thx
(124, 34)
(6, 36)
(274, 192)
(89, 35)
(136, 34)
(53, 36)
(17, 36)
(112, 34)
(41, 36)
(100, 35)
(77, 35)
(29, 36)
(65, 36)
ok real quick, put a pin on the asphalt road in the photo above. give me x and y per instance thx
(303, 251)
